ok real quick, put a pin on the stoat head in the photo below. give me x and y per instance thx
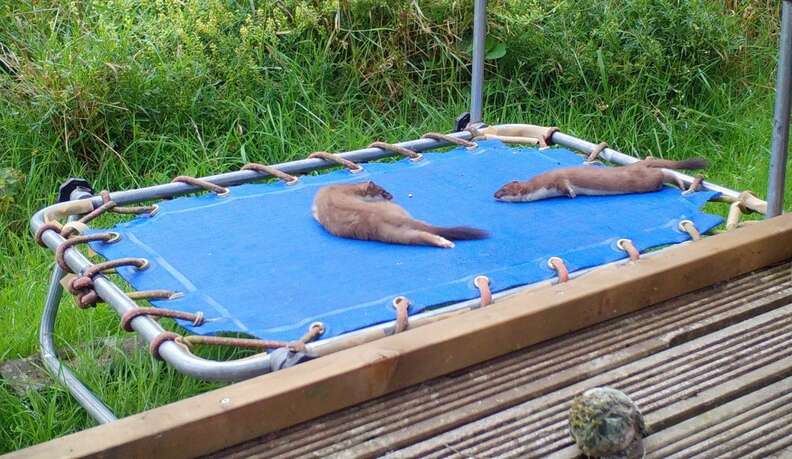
(525, 191)
(372, 191)
(512, 191)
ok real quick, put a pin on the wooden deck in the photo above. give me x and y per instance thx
(711, 371)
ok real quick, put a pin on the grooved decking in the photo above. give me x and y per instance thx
(678, 360)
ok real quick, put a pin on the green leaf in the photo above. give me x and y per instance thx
(497, 52)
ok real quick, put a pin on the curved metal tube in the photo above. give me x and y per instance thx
(49, 355)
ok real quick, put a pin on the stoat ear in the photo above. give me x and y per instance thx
(515, 181)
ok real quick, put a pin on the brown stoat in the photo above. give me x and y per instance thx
(365, 211)
(639, 177)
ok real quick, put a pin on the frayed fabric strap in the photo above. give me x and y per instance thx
(269, 170)
(690, 228)
(107, 238)
(127, 210)
(201, 183)
(450, 139)
(393, 148)
(559, 266)
(402, 306)
(197, 319)
(628, 246)
(351, 165)
(483, 285)
(595, 152)
(547, 138)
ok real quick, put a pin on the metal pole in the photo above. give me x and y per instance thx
(779, 148)
(479, 49)
(49, 355)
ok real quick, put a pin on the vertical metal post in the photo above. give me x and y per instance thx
(49, 355)
(780, 144)
(479, 50)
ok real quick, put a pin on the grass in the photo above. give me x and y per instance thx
(129, 93)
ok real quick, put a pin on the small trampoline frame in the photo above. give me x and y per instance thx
(80, 200)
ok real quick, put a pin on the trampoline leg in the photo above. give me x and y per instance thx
(479, 50)
(49, 355)
(779, 152)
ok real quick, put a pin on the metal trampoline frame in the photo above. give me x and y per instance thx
(189, 364)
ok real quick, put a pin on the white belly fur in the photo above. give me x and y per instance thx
(594, 192)
(541, 193)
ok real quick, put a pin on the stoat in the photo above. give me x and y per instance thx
(365, 211)
(639, 177)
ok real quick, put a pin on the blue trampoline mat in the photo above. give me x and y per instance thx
(256, 261)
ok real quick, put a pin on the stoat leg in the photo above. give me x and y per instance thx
(672, 178)
(426, 238)
(568, 188)
(438, 241)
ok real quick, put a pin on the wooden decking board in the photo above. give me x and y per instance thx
(444, 403)
(717, 367)
(730, 426)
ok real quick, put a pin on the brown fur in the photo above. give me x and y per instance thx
(640, 177)
(364, 211)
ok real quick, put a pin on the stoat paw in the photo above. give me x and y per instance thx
(444, 243)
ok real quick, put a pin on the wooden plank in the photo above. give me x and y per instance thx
(441, 404)
(242, 411)
(728, 425)
(668, 386)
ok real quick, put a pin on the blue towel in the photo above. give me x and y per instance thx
(256, 262)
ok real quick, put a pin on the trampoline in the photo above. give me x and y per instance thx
(248, 260)
(225, 256)
(254, 261)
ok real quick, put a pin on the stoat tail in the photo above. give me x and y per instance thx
(458, 233)
(692, 163)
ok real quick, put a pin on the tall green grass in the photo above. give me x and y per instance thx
(132, 92)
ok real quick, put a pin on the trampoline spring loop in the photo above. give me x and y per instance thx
(197, 319)
(288, 179)
(595, 152)
(54, 226)
(695, 185)
(749, 203)
(474, 132)
(557, 264)
(138, 263)
(201, 183)
(483, 285)
(351, 165)
(733, 218)
(689, 227)
(78, 226)
(547, 138)
(450, 139)
(73, 228)
(395, 148)
(628, 246)
(402, 306)
(158, 340)
(60, 251)
(315, 330)
(82, 287)
(151, 210)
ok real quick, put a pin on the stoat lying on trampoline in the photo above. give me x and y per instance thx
(364, 211)
(639, 177)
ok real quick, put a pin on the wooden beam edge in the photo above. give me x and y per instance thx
(227, 416)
